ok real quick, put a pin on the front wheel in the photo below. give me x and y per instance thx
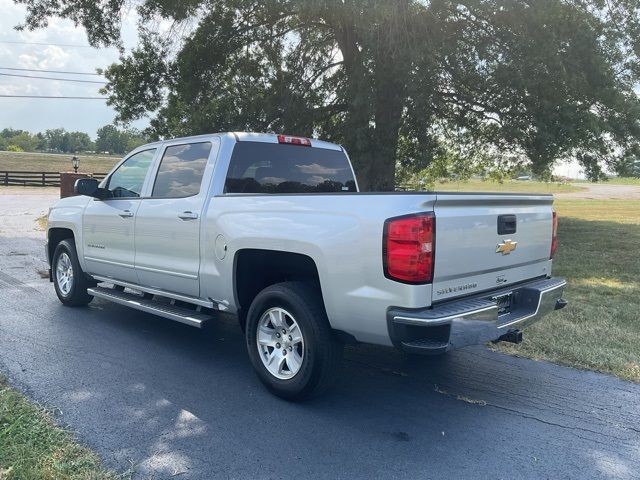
(68, 278)
(290, 342)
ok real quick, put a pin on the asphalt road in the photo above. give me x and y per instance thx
(166, 399)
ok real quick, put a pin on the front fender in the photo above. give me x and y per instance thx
(67, 214)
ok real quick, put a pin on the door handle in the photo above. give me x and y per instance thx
(188, 215)
(126, 214)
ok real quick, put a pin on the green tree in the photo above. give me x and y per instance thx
(111, 139)
(629, 165)
(59, 140)
(114, 140)
(42, 141)
(77, 142)
(24, 141)
(544, 79)
(10, 132)
(54, 139)
(135, 141)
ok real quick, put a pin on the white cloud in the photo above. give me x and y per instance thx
(40, 114)
(48, 58)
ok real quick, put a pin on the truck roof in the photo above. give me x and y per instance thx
(251, 137)
(273, 138)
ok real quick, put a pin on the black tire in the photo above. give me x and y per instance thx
(322, 351)
(77, 294)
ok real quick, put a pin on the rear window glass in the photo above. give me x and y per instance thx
(258, 167)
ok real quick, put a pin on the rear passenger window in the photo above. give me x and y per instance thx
(258, 167)
(181, 170)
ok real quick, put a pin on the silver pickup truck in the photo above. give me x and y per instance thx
(272, 229)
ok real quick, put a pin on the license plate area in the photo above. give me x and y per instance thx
(504, 303)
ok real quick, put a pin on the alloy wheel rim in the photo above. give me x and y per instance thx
(64, 274)
(280, 343)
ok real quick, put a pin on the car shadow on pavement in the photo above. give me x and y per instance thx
(171, 399)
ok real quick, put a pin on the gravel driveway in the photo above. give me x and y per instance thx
(604, 191)
(169, 399)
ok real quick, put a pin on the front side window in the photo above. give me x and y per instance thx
(128, 179)
(181, 170)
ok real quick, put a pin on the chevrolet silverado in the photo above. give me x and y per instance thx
(273, 230)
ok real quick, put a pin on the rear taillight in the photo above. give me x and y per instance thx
(554, 235)
(408, 248)
(302, 141)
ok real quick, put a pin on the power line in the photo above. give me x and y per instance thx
(47, 71)
(50, 96)
(52, 78)
(76, 45)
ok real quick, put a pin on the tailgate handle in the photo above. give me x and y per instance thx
(506, 224)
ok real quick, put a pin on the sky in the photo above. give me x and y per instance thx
(87, 116)
(40, 114)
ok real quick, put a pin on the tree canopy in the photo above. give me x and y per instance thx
(109, 139)
(114, 140)
(57, 139)
(394, 81)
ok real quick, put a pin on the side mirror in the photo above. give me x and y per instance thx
(88, 187)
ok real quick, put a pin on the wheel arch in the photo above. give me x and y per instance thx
(256, 269)
(54, 236)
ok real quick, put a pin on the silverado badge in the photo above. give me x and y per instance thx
(506, 247)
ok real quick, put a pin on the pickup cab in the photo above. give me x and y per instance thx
(273, 230)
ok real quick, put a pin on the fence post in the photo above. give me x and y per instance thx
(6, 179)
(43, 179)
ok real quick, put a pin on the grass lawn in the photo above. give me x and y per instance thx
(625, 181)
(33, 447)
(507, 186)
(54, 162)
(42, 222)
(599, 255)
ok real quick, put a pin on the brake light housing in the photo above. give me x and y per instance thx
(408, 248)
(288, 139)
(554, 234)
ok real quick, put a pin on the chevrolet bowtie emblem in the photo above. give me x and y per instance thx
(506, 247)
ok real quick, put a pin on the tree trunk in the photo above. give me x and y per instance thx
(375, 101)
(540, 165)
(378, 170)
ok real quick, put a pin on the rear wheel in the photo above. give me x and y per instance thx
(290, 342)
(68, 278)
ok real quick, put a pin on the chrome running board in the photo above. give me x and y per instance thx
(172, 312)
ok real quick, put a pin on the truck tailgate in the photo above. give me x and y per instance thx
(476, 247)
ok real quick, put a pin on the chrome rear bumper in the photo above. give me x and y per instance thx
(475, 320)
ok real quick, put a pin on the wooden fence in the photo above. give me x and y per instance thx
(52, 179)
(35, 179)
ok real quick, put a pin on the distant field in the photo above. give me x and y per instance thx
(54, 162)
(507, 186)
